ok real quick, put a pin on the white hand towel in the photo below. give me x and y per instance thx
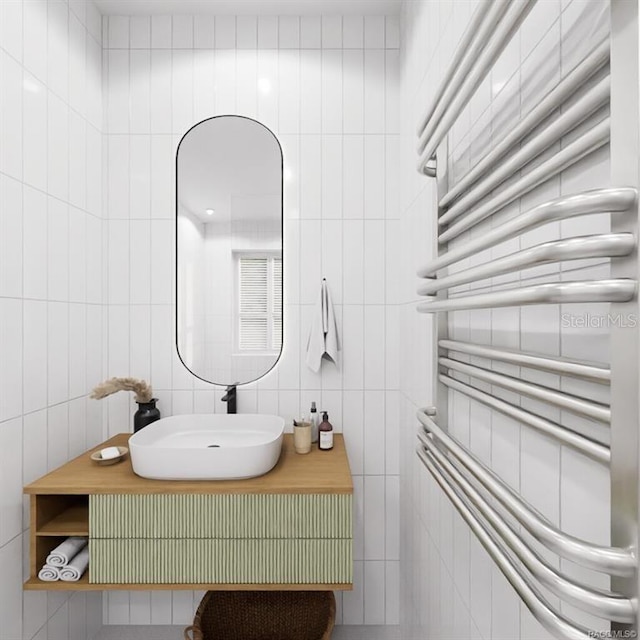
(49, 573)
(331, 339)
(74, 570)
(61, 555)
(323, 335)
(315, 343)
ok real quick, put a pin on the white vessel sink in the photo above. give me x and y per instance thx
(207, 447)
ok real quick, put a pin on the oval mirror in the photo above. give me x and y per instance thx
(229, 250)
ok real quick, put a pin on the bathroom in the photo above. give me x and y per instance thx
(95, 96)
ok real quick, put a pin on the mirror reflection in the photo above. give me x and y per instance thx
(229, 297)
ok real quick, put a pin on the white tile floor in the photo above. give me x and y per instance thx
(117, 632)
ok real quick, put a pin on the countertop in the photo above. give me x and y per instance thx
(318, 472)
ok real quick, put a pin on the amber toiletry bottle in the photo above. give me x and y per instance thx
(325, 433)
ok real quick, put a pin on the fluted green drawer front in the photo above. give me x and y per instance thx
(139, 561)
(249, 516)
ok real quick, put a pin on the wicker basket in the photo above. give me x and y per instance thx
(264, 615)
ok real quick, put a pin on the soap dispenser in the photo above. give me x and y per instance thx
(325, 433)
(314, 422)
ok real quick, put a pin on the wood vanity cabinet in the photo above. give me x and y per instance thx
(289, 529)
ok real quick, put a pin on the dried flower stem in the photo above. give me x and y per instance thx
(142, 389)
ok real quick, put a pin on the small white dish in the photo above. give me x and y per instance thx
(105, 462)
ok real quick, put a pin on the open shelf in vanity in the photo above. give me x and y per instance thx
(294, 525)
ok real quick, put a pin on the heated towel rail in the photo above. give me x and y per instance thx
(494, 511)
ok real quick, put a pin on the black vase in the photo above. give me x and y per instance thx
(146, 414)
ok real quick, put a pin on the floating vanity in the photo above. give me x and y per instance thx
(288, 529)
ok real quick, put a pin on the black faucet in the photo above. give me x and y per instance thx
(230, 398)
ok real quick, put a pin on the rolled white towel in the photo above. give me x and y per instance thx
(74, 570)
(49, 573)
(63, 553)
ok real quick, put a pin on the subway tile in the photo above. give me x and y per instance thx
(118, 256)
(182, 32)
(374, 160)
(160, 91)
(140, 32)
(225, 32)
(310, 180)
(331, 89)
(392, 32)
(140, 341)
(392, 518)
(57, 148)
(182, 91)
(204, 82)
(289, 92)
(11, 245)
(77, 65)
(11, 116)
(374, 262)
(58, 352)
(139, 176)
(11, 476)
(118, 32)
(162, 263)
(289, 32)
(225, 80)
(374, 72)
(310, 32)
(162, 177)
(35, 38)
(57, 250)
(93, 171)
(331, 197)
(35, 244)
(374, 323)
(268, 88)
(57, 48)
(247, 32)
(353, 176)
(352, 32)
(392, 91)
(57, 435)
(374, 29)
(374, 593)
(11, 588)
(77, 160)
(161, 32)
(204, 32)
(310, 91)
(161, 346)
(79, 274)
(77, 350)
(34, 133)
(11, 27)
(353, 601)
(374, 453)
(374, 515)
(139, 91)
(353, 96)
(331, 27)
(358, 516)
(118, 607)
(267, 32)
(35, 345)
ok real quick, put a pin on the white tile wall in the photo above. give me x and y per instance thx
(50, 282)
(449, 586)
(333, 103)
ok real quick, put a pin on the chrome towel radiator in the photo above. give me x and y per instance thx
(494, 511)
